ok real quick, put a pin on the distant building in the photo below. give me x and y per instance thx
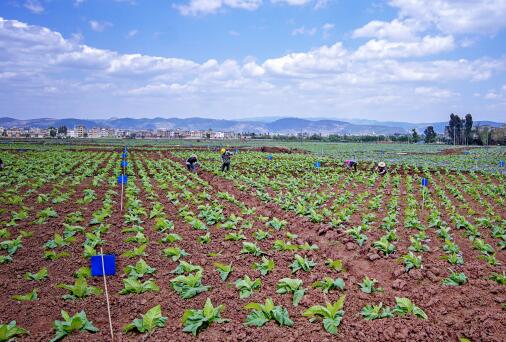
(80, 131)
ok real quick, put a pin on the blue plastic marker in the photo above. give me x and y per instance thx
(124, 163)
(317, 164)
(425, 182)
(501, 163)
(269, 157)
(109, 265)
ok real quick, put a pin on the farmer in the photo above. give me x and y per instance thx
(1, 164)
(191, 163)
(351, 164)
(225, 159)
(381, 168)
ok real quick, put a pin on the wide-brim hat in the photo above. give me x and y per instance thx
(382, 164)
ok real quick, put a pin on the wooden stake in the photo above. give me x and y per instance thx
(106, 294)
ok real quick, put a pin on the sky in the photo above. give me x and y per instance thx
(403, 60)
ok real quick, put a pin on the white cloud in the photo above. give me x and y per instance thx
(397, 30)
(435, 92)
(456, 16)
(234, 33)
(34, 6)
(428, 45)
(320, 4)
(202, 7)
(326, 28)
(291, 2)
(99, 26)
(326, 79)
(132, 33)
(304, 31)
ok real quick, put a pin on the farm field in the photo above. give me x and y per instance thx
(392, 260)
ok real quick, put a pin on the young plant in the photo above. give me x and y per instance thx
(372, 312)
(80, 289)
(368, 285)
(40, 275)
(203, 239)
(175, 253)
(411, 261)
(335, 265)
(188, 286)
(83, 272)
(148, 322)
(261, 235)
(8, 332)
(139, 270)
(52, 255)
(30, 296)
(276, 223)
(186, 267)
(405, 307)
(134, 285)
(332, 314)
(136, 252)
(294, 286)
(302, 263)
(251, 248)
(266, 266)
(384, 245)
(327, 284)
(246, 286)
(455, 279)
(78, 322)
(263, 313)
(195, 321)
(224, 270)
(498, 278)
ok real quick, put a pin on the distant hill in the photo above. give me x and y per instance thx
(287, 125)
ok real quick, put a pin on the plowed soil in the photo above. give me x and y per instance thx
(472, 310)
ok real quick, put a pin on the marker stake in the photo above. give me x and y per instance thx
(107, 295)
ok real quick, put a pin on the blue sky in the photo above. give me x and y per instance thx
(409, 60)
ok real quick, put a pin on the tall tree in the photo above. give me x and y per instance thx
(52, 132)
(62, 130)
(414, 135)
(468, 127)
(430, 135)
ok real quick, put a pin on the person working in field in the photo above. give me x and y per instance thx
(1, 164)
(351, 164)
(191, 163)
(225, 159)
(381, 168)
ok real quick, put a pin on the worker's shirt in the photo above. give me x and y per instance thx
(225, 157)
(191, 160)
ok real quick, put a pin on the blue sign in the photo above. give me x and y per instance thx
(109, 265)
(269, 157)
(501, 163)
(466, 152)
(124, 163)
(425, 182)
(122, 179)
(317, 164)
(124, 155)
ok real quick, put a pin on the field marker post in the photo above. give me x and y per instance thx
(99, 268)
(425, 182)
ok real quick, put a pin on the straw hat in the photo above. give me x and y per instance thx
(193, 156)
(222, 150)
(382, 164)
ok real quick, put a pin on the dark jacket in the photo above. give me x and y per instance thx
(225, 157)
(191, 160)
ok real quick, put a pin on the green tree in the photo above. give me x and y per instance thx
(468, 127)
(414, 135)
(62, 130)
(430, 135)
(52, 132)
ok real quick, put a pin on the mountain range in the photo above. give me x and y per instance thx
(284, 125)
